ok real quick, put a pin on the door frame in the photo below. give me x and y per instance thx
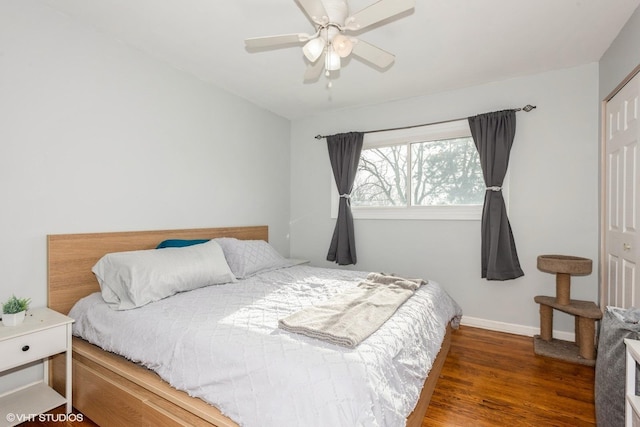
(603, 186)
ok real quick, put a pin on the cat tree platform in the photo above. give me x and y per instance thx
(586, 312)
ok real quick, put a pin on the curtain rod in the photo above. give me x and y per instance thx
(526, 109)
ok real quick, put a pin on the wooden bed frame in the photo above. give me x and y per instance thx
(111, 390)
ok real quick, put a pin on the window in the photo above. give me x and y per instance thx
(429, 172)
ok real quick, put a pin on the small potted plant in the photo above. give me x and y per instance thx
(13, 310)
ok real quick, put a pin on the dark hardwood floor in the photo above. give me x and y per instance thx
(495, 379)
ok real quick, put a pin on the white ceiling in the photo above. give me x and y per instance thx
(440, 45)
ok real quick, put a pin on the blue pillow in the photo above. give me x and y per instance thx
(180, 243)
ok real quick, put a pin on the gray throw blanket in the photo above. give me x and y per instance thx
(350, 317)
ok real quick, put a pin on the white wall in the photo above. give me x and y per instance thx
(96, 136)
(622, 56)
(553, 202)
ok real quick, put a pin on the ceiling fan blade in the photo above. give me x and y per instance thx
(315, 10)
(315, 69)
(378, 12)
(373, 54)
(274, 41)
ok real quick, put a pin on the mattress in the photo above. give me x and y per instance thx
(222, 344)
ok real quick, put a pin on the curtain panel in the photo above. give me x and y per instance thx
(493, 134)
(344, 154)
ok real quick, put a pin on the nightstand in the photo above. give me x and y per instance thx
(43, 333)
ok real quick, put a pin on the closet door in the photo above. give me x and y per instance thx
(622, 197)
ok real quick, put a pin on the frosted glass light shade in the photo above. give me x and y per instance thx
(313, 49)
(332, 61)
(342, 45)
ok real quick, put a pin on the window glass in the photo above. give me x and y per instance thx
(426, 172)
(446, 172)
(381, 179)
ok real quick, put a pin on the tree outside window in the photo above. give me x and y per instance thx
(443, 172)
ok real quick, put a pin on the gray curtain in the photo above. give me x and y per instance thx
(344, 154)
(493, 134)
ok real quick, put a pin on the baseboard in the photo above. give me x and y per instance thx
(511, 328)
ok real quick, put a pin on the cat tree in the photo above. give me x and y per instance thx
(586, 312)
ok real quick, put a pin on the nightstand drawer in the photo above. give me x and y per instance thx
(34, 346)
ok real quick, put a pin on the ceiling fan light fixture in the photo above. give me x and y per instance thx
(313, 49)
(342, 45)
(331, 40)
(332, 60)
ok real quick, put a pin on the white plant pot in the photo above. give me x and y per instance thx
(13, 319)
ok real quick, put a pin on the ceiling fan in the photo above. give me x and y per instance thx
(331, 40)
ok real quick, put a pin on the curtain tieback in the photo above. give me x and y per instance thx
(346, 196)
(494, 188)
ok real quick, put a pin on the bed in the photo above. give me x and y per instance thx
(112, 390)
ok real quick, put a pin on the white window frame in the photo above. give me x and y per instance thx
(440, 131)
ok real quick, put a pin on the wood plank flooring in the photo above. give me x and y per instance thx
(495, 379)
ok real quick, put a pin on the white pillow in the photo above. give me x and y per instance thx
(135, 278)
(249, 257)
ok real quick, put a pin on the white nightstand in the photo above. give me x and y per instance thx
(43, 333)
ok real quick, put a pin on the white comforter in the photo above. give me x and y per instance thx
(222, 343)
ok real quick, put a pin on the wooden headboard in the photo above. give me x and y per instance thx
(70, 257)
